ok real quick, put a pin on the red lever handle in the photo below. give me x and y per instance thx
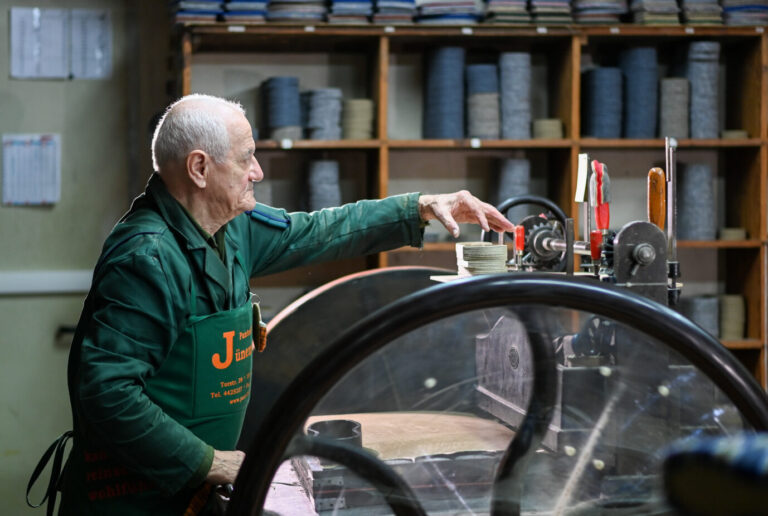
(519, 238)
(601, 195)
(595, 243)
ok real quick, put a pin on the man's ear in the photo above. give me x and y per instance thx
(197, 167)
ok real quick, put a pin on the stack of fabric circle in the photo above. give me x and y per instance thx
(283, 107)
(674, 107)
(444, 93)
(601, 106)
(350, 11)
(323, 183)
(655, 12)
(473, 258)
(357, 119)
(702, 12)
(640, 71)
(196, 11)
(390, 12)
(745, 12)
(514, 180)
(507, 11)
(704, 311)
(323, 113)
(483, 101)
(446, 12)
(551, 12)
(515, 87)
(703, 74)
(732, 317)
(245, 11)
(547, 129)
(696, 218)
(598, 11)
(296, 10)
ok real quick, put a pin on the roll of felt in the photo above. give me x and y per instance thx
(323, 183)
(732, 317)
(444, 93)
(602, 102)
(357, 119)
(483, 116)
(640, 71)
(515, 95)
(696, 203)
(324, 114)
(482, 78)
(548, 128)
(282, 104)
(703, 57)
(674, 107)
(293, 132)
(514, 180)
(704, 311)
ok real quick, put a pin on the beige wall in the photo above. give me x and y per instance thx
(103, 126)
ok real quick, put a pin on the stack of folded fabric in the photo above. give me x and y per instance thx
(602, 102)
(357, 119)
(323, 185)
(515, 95)
(389, 12)
(245, 11)
(551, 12)
(296, 10)
(507, 11)
(196, 11)
(640, 70)
(655, 12)
(444, 94)
(598, 11)
(702, 12)
(350, 11)
(446, 12)
(282, 107)
(323, 120)
(745, 12)
(483, 101)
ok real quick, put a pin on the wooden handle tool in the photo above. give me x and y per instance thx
(657, 197)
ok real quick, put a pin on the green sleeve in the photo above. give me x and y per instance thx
(279, 240)
(129, 335)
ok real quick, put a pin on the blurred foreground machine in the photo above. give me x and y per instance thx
(526, 392)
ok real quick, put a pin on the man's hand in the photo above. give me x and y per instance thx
(225, 467)
(462, 207)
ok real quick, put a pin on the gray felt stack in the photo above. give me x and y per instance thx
(444, 94)
(515, 87)
(696, 216)
(674, 107)
(483, 101)
(514, 180)
(703, 57)
(640, 71)
(704, 311)
(323, 183)
(323, 113)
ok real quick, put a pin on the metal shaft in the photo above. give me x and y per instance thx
(671, 150)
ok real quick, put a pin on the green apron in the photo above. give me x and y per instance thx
(204, 384)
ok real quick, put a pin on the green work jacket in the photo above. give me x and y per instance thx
(140, 304)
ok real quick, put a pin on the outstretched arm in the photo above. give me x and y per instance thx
(462, 207)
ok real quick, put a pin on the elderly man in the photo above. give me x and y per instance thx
(159, 372)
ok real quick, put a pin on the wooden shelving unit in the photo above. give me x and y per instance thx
(382, 58)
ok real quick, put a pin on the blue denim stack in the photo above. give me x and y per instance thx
(602, 105)
(640, 69)
(703, 74)
(515, 89)
(444, 93)
(282, 107)
(483, 101)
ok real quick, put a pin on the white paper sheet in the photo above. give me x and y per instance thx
(39, 43)
(31, 169)
(91, 43)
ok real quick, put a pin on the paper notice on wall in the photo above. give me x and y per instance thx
(39, 46)
(31, 169)
(91, 43)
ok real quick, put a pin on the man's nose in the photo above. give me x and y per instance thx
(256, 173)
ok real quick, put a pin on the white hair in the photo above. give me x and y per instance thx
(193, 122)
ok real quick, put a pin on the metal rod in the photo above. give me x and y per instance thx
(671, 150)
(558, 244)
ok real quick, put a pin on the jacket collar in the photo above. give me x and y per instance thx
(182, 224)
